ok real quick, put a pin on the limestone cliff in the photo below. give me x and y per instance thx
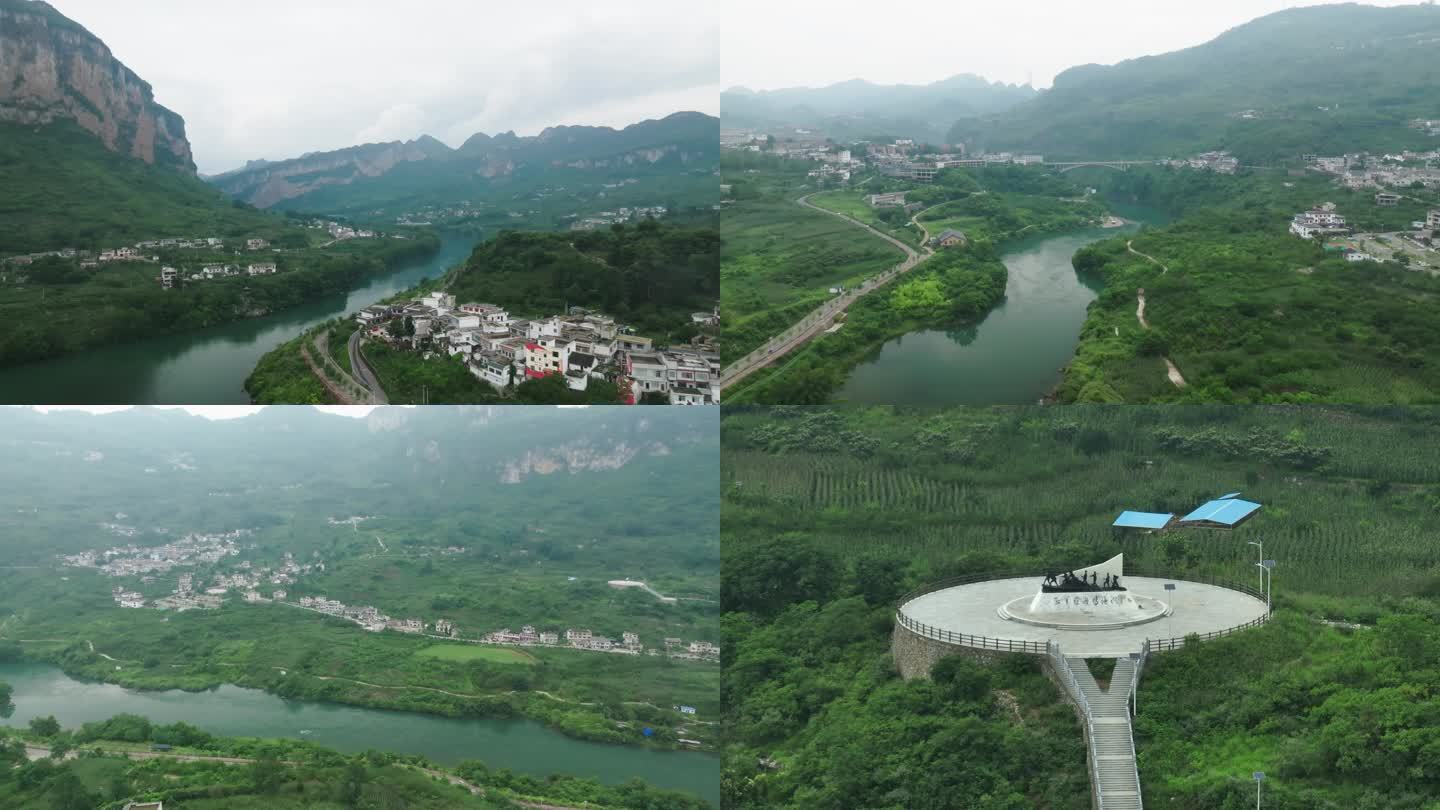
(52, 69)
(264, 183)
(682, 138)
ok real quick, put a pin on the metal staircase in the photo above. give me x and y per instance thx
(1113, 774)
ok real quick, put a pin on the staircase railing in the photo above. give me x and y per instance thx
(1062, 669)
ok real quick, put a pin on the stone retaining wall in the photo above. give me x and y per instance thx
(915, 654)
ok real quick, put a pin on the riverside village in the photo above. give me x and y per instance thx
(578, 346)
(226, 575)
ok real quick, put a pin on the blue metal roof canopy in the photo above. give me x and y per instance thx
(1228, 496)
(1229, 512)
(1143, 520)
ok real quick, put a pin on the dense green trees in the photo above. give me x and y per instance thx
(293, 775)
(45, 726)
(65, 189)
(1335, 699)
(651, 275)
(1250, 313)
(126, 302)
(816, 717)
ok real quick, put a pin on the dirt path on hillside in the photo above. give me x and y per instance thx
(1171, 372)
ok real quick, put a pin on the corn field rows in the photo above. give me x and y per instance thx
(1329, 531)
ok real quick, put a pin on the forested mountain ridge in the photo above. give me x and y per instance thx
(264, 183)
(397, 170)
(1323, 79)
(857, 107)
(52, 69)
(651, 274)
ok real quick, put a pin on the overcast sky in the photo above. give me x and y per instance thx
(277, 78)
(214, 412)
(811, 43)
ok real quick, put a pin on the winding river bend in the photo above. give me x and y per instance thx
(521, 745)
(208, 367)
(1013, 356)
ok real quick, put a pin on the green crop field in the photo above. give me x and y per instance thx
(471, 652)
(852, 204)
(778, 261)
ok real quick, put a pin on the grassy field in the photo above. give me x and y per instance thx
(778, 261)
(1247, 311)
(470, 652)
(853, 205)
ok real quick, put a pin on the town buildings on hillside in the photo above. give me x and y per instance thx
(579, 346)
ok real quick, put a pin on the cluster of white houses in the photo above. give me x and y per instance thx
(374, 621)
(366, 616)
(1362, 170)
(192, 550)
(170, 275)
(584, 639)
(605, 219)
(1218, 162)
(582, 345)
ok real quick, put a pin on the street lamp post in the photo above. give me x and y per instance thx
(1169, 616)
(1259, 777)
(1260, 544)
(1268, 570)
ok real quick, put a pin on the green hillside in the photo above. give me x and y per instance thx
(63, 188)
(1324, 80)
(828, 515)
(544, 179)
(650, 275)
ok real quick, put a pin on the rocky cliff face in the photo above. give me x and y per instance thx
(263, 184)
(52, 69)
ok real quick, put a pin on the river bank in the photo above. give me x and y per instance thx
(519, 744)
(208, 366)
(1016, 353)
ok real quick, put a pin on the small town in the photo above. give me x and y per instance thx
(904, 159)
(270, 584)
(619, 216)
(1362, 170)
(581, 345)
(1414, 248)
(147, 251)
(374, 621)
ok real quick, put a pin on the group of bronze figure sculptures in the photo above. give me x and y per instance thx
(1068, 582)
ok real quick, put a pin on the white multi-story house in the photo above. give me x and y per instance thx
(1317, 222)
(578, 638)
(265, 269)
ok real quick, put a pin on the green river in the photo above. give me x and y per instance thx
(521, 745)
(208, 367)
(1014, 355)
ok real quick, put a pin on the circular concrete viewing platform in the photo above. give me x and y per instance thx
(996, 614)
